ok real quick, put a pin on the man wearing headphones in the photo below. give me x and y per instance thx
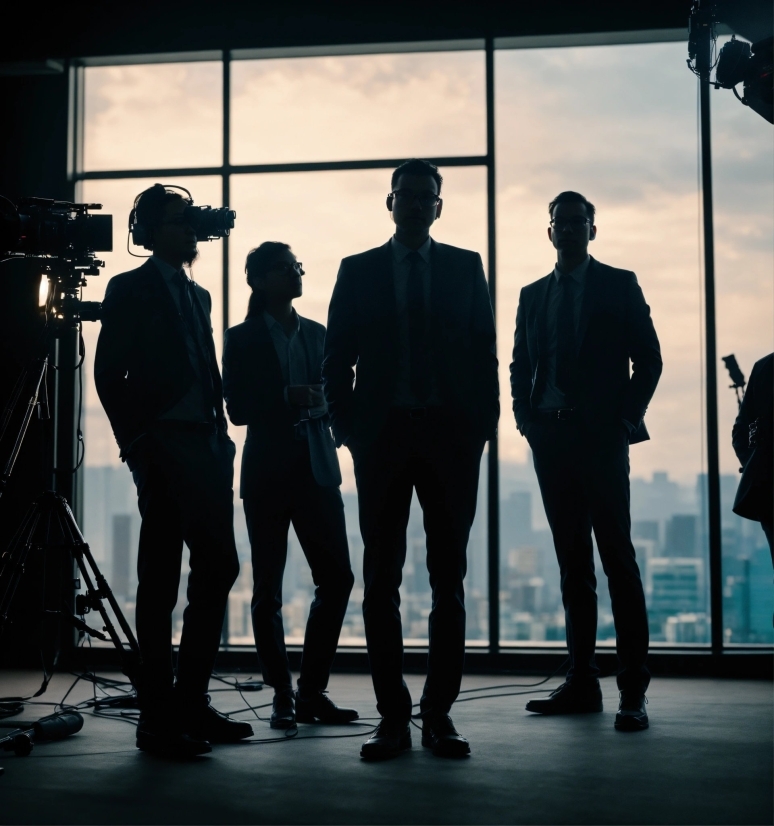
(416, 319)
(157, 377)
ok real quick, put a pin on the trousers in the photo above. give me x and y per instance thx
(292, 496)
(439, 458)
(583, 473)
(184, 477)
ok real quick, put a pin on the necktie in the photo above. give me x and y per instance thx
(565, 339)
(186, 304)
(419, 358)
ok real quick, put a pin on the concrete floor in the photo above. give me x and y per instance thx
(706, 759)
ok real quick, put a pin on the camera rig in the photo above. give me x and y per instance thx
(61, 238)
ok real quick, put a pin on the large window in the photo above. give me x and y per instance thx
(302, 149)
(617, 123)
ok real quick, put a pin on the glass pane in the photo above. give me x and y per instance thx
(111, 518)
(357, 107)
(743, 179)
(617, 123)
(326, 216)
(153, 116)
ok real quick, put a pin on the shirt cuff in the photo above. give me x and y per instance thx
(629, 426)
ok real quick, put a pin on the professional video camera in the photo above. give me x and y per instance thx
(62, 237)
(208, 223)
(750, 64)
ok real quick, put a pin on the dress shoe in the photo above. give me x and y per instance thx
(206, 723)
(167, 740)
(283, 712)
(318, 707)
(570, 698)
(631, 714)
(439, 734)
(389, 740)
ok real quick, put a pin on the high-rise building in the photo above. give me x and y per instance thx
(680, 539)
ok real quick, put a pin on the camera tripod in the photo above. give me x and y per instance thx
(52, 513)
(49, 524)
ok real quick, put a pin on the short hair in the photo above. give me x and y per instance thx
(258, 262)
(570, 197)
(416, 166)
(151, 204)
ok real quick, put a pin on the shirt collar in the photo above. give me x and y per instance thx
(400, 251)
(578, 275)
(167, 270)
(272, 322)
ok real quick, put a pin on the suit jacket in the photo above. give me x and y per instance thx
(141, 366)
(363, 332)
(615, 328)
(254, 391)
(754, 496)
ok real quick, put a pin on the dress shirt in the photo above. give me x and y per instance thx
(294, 362)
(401, 268)
(552, 396)
(193, 406)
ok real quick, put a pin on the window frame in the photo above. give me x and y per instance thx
(496, 653)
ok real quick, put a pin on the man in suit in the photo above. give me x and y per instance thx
(754, 447)
(290, 474)
(158, 380)
(577, 331)
(415, 318)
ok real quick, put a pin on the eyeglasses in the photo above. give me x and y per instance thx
(408, 196)
(569, 223)
(285, 268)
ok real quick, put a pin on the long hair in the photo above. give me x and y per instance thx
(257, 264)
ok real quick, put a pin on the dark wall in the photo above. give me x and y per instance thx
(33, 161)
(88, 29)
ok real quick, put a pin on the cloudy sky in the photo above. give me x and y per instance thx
(618, 123)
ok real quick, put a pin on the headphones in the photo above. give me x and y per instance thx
(141, 232)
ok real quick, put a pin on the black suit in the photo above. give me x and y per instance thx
(286, 480)
(435, 450)
(183, 471)
(754, 498)
(582, 460)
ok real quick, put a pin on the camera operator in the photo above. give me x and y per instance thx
(157, 377)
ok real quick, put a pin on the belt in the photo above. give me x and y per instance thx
(559, 414)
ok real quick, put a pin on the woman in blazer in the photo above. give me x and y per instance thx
(290, 474)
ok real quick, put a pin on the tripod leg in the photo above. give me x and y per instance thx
(14, 559)
(95, 595)
(31, 405)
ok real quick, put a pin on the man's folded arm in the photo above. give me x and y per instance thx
(645, 354)
(340, 355)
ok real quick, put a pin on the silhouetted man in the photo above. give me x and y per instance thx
(290, 474)
(158, 380)
(414, 316)
(577, 331)
(754, 447)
